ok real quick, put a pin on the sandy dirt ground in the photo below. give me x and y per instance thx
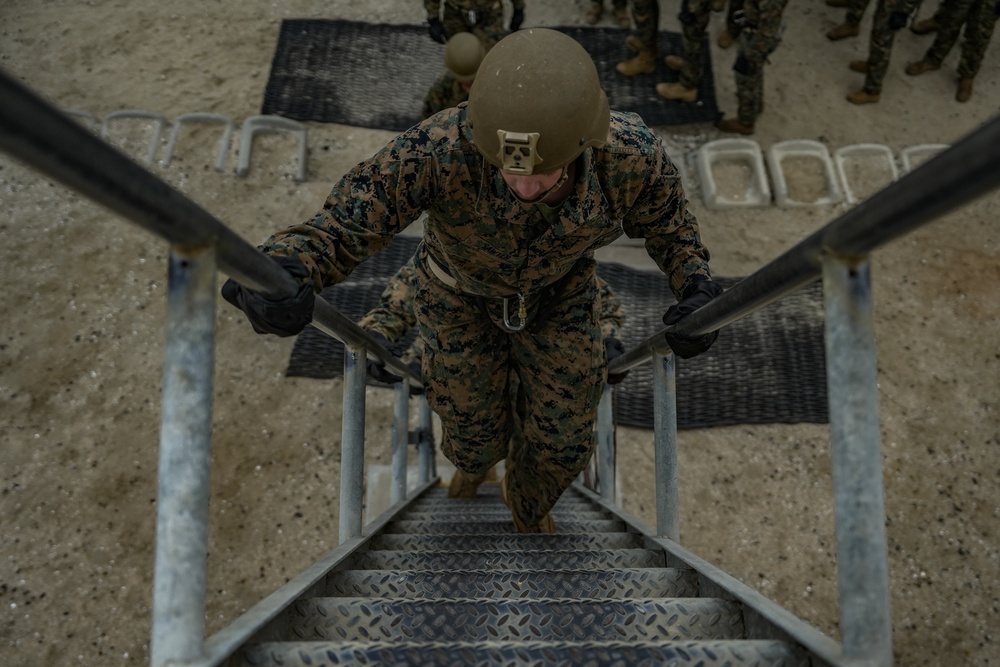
(81, 351)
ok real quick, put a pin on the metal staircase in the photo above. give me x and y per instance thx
(448, 582)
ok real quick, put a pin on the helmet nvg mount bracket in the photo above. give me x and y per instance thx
(537, 103)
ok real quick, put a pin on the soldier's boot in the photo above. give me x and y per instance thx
(863, 97)
(634, 43)
(924, 27)
(859, 66)
(843, 31)
(921, 66)
(621, 15)
(964, 90)
(676, 91)
(725, 39)
(464, 485)
(718, 5)
(837, 3)
(734, 126)
(644, 62)
(546, 525)
(594, 12)
(675, 63)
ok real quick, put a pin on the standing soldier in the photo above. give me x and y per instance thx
(520, 186)
(979, 18)
(890, 17)
(644, 41)
(760, 36)
(462, 56)
(852, 21)
(693, 18)
(483, 18)
(734, 19)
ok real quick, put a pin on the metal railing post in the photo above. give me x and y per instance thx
(606, 445)
(179, 577)
(859, 506)
(352, 446)
(400, 441)
(665, 444)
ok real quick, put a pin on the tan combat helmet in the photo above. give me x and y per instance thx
(462, 55)
(537, 103)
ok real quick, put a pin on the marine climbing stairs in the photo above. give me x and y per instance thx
(449, 582)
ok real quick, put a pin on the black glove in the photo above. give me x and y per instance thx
(897, 20)
(286, 317)
(375, 367)
(516, 19)
(436, 30)
(614, 348)
(696, 296)
(414, 367)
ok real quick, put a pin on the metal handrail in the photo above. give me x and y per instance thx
(968, 169)
(34, 131)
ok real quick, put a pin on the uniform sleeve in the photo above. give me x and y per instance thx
(372, 203)
(611, 312)
(661, 217)
(394, 315)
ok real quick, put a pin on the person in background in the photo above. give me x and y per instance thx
(978, 17)
(520, 186)
(693, 18)
(734, 19)
(462, 56)
(644, 41)
(618, 7)
(483, 18)
(762, 28)
(890, 17)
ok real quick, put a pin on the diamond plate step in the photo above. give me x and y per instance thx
(515, 584)
(452, 516)
(367, 619)
(501, 542)
(602, 559)
(498, 526)
(550, 654)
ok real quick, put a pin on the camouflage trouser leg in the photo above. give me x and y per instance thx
(880, 45)
(856, 11)
(646, 16)
(488, 26)
(757, 42)
(953, 16)
(694, 38)
(467, 366)
(978, 32)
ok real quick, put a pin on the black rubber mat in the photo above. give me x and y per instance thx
(376, 74)
(769, 367)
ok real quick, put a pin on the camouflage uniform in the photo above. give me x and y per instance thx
(497, 251)
(694, 18)
(483, 18)
(880, 43)
(446, 92)
(734, 18)
(760, 36)
(646, 16)
(979, 18)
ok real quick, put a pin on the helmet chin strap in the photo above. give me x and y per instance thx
(558, 184)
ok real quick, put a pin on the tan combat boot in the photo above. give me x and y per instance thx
(594, 12)
(464, 485)
(964, 90)
(924, 27)
(675, 63)
(633, 43)
(921, 66)
(643, 63)
(725, 39)
(718, 5)
(546, 525)
(676, 91)
(843, 31)
(862, 97)
(621, 15)
(734, 126)
(859, 66)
